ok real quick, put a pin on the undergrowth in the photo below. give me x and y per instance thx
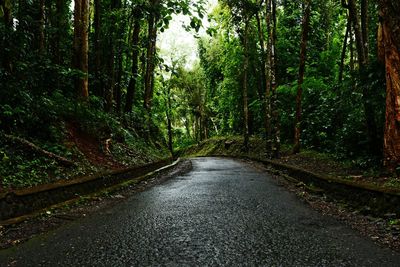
(44, 121)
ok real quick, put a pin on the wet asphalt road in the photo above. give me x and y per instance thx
(224, 212)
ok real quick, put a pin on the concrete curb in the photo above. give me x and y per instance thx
(375, 201)
(21, 203)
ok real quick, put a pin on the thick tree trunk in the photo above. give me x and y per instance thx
(135, 68)
(389, 44)
(81, 45)
(302, 66)
(245, 89)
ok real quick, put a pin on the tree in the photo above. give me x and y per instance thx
(61, 30)
(135, 61)
(242, 13)
(303, 55)
(389, 53)
(245, 85)
(40, 27)
(6, 7)
(361, 36)
(98, 84)
(344, 50)
(81, 46)
(152, 20)
(275, 149)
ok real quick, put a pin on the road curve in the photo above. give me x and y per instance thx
(223, 213)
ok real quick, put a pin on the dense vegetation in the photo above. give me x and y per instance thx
(310, 71)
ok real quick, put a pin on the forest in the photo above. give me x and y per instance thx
(84, 82)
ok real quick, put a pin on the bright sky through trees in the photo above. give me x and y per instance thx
(176, 43)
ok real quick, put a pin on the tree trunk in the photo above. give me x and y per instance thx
(169, 121)
(372, 129)
(389, 50)
(40, 28)
(276, 144)
(98, 87)
(118, 80)
(151, 53)
(150, 63)
(263, 55)
(351, 53)
(6, 47)
(81, 23)
(353, 13)
(268, 126)
(344, 49)
(303, 55)
(135, 68)
(59, 24)
(109, 94)
(364, 27)
(245, 78)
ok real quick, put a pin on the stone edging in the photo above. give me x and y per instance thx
(22, 202)
(376, 200)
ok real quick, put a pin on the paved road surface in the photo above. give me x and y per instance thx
(224, 213)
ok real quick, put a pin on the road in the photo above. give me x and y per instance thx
(222, 213)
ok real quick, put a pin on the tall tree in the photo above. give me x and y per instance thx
(60, 30)
(268, 125)
(81, 46)
(6, 6)
(263, 49)
(362, 46)
(98, 84)
(109, 90)
(274, 97)
(344, 50)
(135, 62)
(389, 53)
(40, 26)
(153, 18)
(245, 84)
(302, 66)
(364, 27)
